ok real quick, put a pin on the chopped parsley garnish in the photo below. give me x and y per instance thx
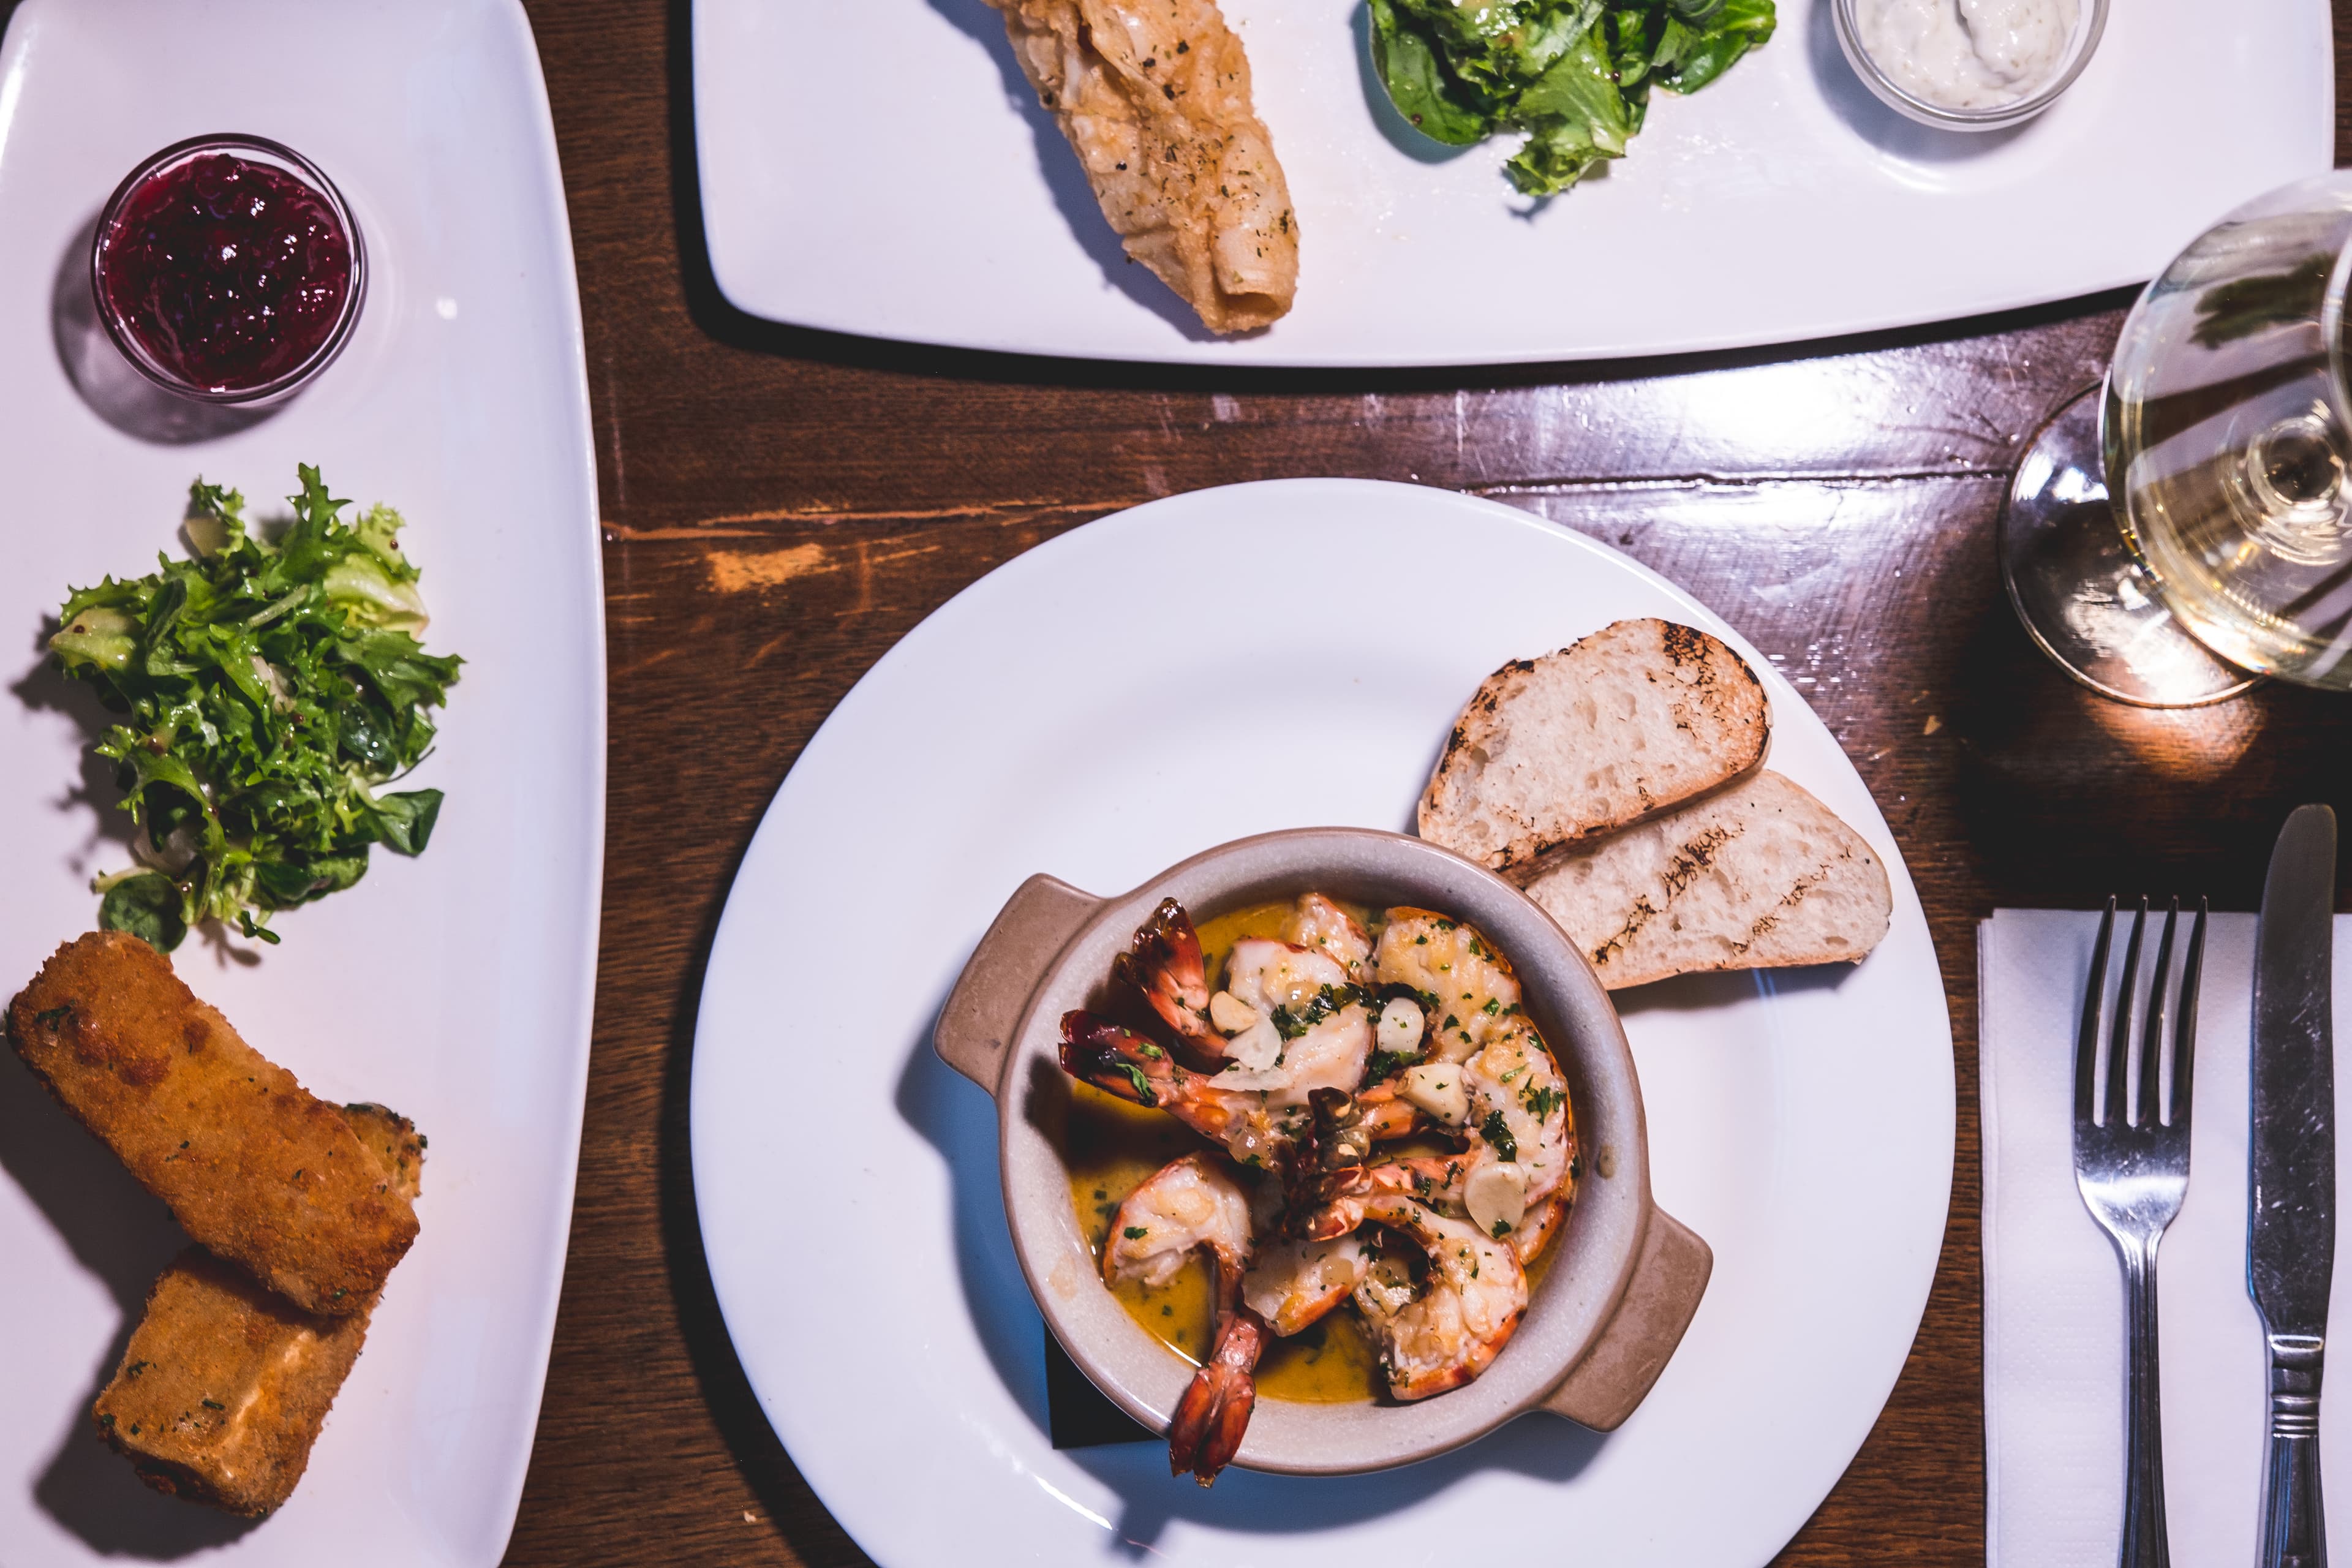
(1497, 1134)
(1136, 1232)
(1143, 1094)
(1293, 1022)
(1542, 1102)
(1386, 1065)
(268, 690)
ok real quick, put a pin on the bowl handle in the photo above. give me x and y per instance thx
(1633, 1347)
(976, 1026)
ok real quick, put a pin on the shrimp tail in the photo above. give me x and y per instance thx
(1386, 1116)
(1215, 1414)
(1116, 1059)
(1165, 966)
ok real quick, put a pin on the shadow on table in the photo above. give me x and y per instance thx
(959, 1120)
(722, 322)
(790, 1504)
(123, 1235)
(1072, 193)
(2061, 794)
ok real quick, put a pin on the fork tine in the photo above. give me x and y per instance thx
(2184, 1059)
(2151, 1040)
(2086, 1042)
(2119, 1064)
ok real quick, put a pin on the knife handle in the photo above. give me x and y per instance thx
(2295, 1531)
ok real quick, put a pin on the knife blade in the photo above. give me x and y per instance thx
(2290, 1231)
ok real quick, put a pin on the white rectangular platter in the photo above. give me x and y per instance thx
(882, 168)
(456, 987)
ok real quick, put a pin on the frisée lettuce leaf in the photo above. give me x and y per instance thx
(1574, 74)
(266, 689)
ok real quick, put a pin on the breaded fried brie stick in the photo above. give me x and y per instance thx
(254, 1167)
(1155, 96)
(225, 1385)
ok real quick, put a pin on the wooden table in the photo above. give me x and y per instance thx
(780, 506)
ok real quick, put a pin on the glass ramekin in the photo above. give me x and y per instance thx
(254, 150)
(2088, 28)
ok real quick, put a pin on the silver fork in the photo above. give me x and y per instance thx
(2132, 1164)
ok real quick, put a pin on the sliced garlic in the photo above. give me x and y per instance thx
(1436, 1088)
(1230, 1014)
(1256, 1047)
(1401, 1025)
(1496, 1197)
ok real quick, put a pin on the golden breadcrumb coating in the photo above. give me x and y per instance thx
(225, 1385)
(254, 1167)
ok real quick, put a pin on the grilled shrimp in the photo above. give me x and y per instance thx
(1435, 1180)
(1255, 1114)
(1323, 926)
(1189, 1205)
(1467, 985)
(1293, 1283)
(1264, 975)
(1522, 1138)
(1448, 1331)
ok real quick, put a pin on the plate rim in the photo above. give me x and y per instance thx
(24, 33)
(740, 289)
(733, 1302)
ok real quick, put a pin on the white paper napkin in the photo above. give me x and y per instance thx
(2053, 1291)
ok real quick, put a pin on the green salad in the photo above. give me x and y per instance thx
(266, 688)
(1575, 75)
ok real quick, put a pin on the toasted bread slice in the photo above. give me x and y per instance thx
(1755, 877)
(1633, 720)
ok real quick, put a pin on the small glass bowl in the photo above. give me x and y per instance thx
(2091, 23)
(253, 150)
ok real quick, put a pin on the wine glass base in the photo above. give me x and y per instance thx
(2076, 588)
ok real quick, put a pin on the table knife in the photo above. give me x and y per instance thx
(2291, 1233)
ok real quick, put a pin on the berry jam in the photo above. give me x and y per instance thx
(229, 274)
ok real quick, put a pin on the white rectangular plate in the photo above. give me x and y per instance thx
(881, 168)
(456, 987)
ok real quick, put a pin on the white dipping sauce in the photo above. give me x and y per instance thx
(1967, 54)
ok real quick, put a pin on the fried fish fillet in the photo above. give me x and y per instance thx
(225, 1385)
(1155, 97)
(257, 1169)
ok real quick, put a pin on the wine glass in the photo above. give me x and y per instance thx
(2190, 531)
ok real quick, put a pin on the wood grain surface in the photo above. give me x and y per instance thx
(780, 506)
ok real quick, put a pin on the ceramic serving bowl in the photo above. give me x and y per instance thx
(1600, 1325)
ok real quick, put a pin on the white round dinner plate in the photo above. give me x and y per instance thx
(1276, 655)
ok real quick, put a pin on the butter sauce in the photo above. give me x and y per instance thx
(1110, 1147)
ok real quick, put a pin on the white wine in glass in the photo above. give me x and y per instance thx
(2179, 533)
(2225, 438)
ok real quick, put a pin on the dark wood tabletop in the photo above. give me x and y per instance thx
(780, 506)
